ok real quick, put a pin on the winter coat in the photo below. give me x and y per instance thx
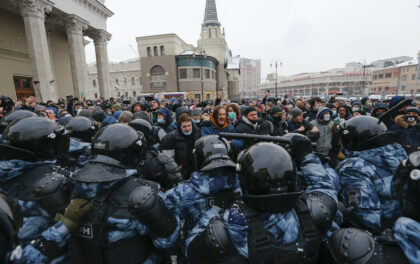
(183, 146)
(293, 128)
(246, 127)
(210, 128)
(324, 142)
(168, 118)
(408, 136)
(310, 115)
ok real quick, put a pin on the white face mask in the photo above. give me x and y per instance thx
(327, 117)
(354, 109)
(411, 118)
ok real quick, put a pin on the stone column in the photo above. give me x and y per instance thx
(101, 38)
(74, 29)
(33, 12)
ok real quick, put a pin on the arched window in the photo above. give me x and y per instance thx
(133, 81)
(157, 77)
(94, 83)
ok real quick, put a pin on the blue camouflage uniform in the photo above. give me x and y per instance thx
(79, 154)
(283, 226)
(407, 233)
(119, 229)
(189, 199)
(35, 219)
(365, 179)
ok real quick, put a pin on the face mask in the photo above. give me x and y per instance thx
(334, 112)
(290, 106)
(327, 118)
(187, 133)
(196, 121)
(316, 107)
(277, 120)
(410, 119)
(354, 109)
(378, 115)
(161, 121)
(369, 104)
(232, 116)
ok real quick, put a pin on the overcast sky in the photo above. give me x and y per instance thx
(306, 35)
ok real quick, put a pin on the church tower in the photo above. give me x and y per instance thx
(212, 42)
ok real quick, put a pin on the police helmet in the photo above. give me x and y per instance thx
(13, 116)
(122, 143)
(268, 178)
(212, 152)
(144, 127)
(82, 128)
(365, 132)
(33, 138)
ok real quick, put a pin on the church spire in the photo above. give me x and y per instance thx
(210, 15)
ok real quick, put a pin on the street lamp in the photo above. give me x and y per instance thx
(203, 55)
(276, 64)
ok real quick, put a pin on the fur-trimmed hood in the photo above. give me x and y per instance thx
(400, 122)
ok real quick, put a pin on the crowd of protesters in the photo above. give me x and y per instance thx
(178, 187)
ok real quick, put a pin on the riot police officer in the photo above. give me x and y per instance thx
(116, 217)
(274, 222)
(372, 158)
(215, 182)
(157, 167)
(13, 116)
(81, 131)
(6, 229)
(28, 151)
(406, 189)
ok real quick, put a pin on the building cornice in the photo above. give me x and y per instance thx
(96, 7)
(13, 55)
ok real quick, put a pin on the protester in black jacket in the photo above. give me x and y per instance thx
(182, 141)
(301, 126)
(314, 103)
(248, 124)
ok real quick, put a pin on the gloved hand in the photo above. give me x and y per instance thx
(74, 213)
(301, 146)
(337, 121)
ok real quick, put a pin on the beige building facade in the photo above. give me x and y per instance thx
(42, 47)
(351, 80)
(125, 80)
(168, 64)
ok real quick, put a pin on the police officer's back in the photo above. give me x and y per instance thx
(28, 152)
(215, 182)
(116, 217)
(372, 158)
(157, 167)
(6, 228)
(275, 222)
